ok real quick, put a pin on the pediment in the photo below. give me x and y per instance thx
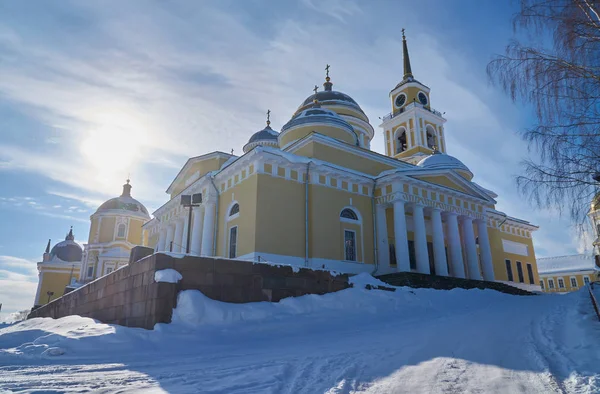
(454, 182)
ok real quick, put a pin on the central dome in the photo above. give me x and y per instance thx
(328, 96)
(440, 160)
(124, 203)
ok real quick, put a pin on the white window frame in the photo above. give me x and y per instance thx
(551, 284)
(571, 282)
(352, 221)
(542, 285)
(235, 215)
(559, 280)
(355, 246)
(588, 280)
(397, 134)
(119, 226)
(237, 237)
(90, 275)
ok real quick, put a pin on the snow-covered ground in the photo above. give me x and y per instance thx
(408, 341)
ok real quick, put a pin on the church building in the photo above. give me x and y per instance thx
(115, 228)
(315, 195)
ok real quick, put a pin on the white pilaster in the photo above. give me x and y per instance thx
(484, 250)
(170, 237)
(421, 252)
(454, 246)
(196, 245)
(439, 250)
(383, 249)
(470, 247)
(162, 240)
(208, 230)
(39, 288)
(400, 238)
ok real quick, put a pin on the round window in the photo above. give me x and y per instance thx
(400, 100)
(422, 98)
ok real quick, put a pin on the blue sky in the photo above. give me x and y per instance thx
(93, 91)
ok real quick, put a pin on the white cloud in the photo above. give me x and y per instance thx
(18, 283)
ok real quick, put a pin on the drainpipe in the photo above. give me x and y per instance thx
(212, 181)
(375, 240)
(306, 214)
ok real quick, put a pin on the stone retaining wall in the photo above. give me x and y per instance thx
(130, 297)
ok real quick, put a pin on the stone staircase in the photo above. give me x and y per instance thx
(411, 279)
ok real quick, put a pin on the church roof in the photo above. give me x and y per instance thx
(124, 202)
(559, 264)
(317, 114)
(67, 250)
(265, 134)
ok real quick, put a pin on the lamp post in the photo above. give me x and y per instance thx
(190, 201)
(50, 294)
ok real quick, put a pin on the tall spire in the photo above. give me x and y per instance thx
(407, 70)
(327, 85)
(48, 247)
(126, 189)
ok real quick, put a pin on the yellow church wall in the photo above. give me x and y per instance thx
(245, 193)
(342, 110)
(56, 283)
(134, 234)
(327, 230)
(93, 229)
(333, 132)
(202, 167)
(342, 158)
(499, 256)
(107, 229)
(280, 216)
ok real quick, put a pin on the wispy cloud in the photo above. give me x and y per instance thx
(338, 9)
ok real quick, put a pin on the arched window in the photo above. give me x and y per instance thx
(431, 140)
(234, 210)
(121, 230)
(347, 213)
(401, 141)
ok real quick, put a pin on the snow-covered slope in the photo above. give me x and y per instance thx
(408, 341)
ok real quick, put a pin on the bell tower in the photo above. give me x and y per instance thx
(413, 129)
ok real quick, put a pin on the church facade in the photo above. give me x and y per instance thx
(115, 228)
(316, 195)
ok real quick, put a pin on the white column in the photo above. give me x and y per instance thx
(454, 246)
(208, 230)
(184, 234)
(196, 245)
(170, 237)
(177, 236)
(439, 250)
(400, 238)
(484, 250)
(470, 248)
(162, 240)
(39, 288)
(421, 253)
(383, 249)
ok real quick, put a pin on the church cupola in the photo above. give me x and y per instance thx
(264, 137)
(413, 129)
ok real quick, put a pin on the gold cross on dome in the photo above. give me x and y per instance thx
(268, 117)
(315, 89)
(327, 69)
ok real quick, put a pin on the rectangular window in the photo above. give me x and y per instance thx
(586, 280)
(542, 284)
(232, 242)
(530, 274)
(561, 283)
(573, 282)
(551, 283)
(520, 272)
(509, 272)
(90, 272)
(109, 270)
(349, 245)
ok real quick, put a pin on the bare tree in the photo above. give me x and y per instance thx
(557, 72)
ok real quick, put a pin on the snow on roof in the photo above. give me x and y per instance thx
(578, 262)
